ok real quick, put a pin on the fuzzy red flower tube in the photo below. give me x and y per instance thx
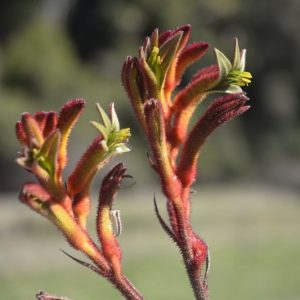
(164, 112)
(44, 137)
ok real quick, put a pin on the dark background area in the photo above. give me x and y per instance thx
(51, 51)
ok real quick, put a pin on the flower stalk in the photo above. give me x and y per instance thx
(164, 112)
(44, 138)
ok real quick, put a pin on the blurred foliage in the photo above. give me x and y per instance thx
(51, 51)
(14, 15)
(254, 249)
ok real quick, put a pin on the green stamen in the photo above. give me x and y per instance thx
(154, 57)
(240, 78)
(116, 138)
(37, 156)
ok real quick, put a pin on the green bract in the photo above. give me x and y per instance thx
(114, 138)
(232, 75)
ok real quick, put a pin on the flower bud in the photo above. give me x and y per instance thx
(156, 133)
(68, 116)
(222, 110)
(33, 195)
(34, 134)
(189, 55)
(105, 230)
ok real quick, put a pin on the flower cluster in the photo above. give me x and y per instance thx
(164, 111)
(44, 138)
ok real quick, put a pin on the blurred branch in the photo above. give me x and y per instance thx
(45, 296)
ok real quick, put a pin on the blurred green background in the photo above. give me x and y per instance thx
(247, 201)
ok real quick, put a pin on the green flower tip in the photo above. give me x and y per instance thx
(154, 58)
(240, 78)
(155, 63)
(34, 161)
(38, 156)
(232, 75)
(114, 138)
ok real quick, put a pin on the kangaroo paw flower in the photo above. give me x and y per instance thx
(165, 113)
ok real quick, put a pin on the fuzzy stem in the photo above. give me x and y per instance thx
(187, 255)
(126, 288)
(81, 240)
(181, 206)
(197, 286)
(175, 193)
(45, 296)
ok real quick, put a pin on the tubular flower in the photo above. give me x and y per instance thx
(111, 141)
